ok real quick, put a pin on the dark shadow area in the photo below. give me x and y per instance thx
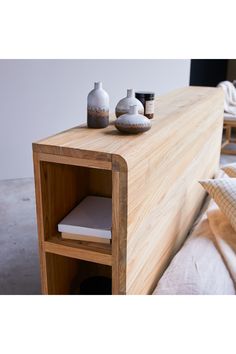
(208, 72)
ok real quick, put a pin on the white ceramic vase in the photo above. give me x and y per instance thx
(133, 122)
(98, 107)
(130, 100)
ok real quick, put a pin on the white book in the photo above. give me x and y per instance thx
(92, 217)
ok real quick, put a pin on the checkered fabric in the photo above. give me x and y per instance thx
(223, 191)
(230, 170)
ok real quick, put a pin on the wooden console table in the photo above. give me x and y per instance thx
(152, 179)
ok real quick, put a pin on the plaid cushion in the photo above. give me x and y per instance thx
(223, 191)
(230, 170)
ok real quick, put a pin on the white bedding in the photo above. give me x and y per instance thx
(225, 239)
(205, 264)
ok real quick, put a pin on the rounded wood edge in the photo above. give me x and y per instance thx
(119, 164)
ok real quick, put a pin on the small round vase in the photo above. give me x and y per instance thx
(98, 107)
(130, 100)
(133, 122)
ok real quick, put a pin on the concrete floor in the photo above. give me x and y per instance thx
(19, 263)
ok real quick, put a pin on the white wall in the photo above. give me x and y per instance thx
(42, 97)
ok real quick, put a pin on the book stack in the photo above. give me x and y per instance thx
(89, 221)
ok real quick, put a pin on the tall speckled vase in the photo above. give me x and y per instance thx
(98, 107)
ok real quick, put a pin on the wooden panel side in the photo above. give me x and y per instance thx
(40, 224)
(100, 182)
(164, 196)
(119, 226)
(60, 274)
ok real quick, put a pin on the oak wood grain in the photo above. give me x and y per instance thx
(64, 248)
(152, 178)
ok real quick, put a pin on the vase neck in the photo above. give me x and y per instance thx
(133, 109)
(98, 85)
(130, 93)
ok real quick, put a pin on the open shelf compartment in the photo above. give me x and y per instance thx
(65, 275)
(64, 187)
(69, 262)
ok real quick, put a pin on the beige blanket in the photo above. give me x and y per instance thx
(225, 239)
(198, 268)
(206, 264)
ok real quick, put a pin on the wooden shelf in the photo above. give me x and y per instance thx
(93, 246)
(87, 251)
(152, 179)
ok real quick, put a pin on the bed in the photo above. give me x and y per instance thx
(201, 267)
